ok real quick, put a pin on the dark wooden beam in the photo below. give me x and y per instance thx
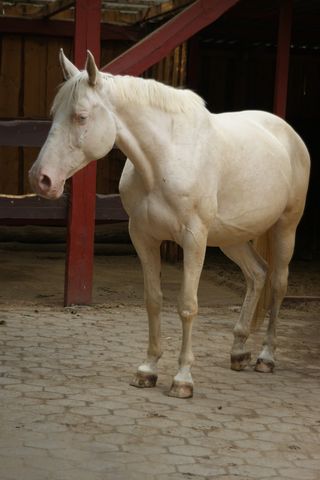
(109, 209)
(81, 221)
(283, 56)
(30, 209)
(65, 28)
(162, 41)
(23, 133)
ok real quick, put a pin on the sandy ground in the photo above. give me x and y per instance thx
(34, 273)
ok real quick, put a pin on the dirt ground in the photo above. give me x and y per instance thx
(34, 272)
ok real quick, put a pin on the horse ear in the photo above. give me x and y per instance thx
(92, 69)
(68, 69)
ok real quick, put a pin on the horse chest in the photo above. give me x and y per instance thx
(155, 215)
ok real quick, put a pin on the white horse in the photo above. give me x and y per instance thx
(193, 177)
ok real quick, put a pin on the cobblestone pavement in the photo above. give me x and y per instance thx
(68, 412)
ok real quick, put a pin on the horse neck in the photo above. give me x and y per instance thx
(143, 135)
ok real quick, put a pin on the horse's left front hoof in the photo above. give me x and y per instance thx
(144, 380)
(181, 390)
(264, 366)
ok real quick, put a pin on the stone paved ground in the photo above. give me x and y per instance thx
(68, 412)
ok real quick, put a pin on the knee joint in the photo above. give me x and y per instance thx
(188, 313)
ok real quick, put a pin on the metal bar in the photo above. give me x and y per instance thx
(81, 222)
(162, 41)
(283, 57)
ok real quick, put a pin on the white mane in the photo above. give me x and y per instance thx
(135, 90)
(142, 91)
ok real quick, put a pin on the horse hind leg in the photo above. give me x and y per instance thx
(283, 239)
(254, 269)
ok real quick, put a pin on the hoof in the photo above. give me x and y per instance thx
(264, 366)
(144, 380)
(181, 390)
(240, 361)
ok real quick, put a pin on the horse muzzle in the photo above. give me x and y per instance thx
(43, 184)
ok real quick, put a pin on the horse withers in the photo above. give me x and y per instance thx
(194, 177)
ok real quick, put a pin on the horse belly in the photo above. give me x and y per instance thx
(246, 220)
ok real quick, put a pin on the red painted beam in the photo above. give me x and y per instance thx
(30, 209)
(283, 57)
(162, 41)
(81, 223)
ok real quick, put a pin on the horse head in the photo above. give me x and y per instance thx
(83, 129)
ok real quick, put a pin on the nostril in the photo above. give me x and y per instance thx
(45, 182)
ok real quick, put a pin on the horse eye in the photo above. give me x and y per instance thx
(81, 118)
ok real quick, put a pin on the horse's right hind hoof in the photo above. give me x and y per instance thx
(144, 380)
(240, 361)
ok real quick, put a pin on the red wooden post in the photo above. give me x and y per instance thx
(81, 222)
(283, 55)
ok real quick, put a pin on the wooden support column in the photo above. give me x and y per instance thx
(81, 221)
(283, 56)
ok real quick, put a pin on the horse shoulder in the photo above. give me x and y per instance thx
(131, 187)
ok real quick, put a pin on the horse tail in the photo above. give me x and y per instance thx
(263, 247)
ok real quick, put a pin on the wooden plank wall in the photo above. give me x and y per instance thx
(243, 78)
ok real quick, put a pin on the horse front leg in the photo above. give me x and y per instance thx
(194, 248)
(148, 251)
